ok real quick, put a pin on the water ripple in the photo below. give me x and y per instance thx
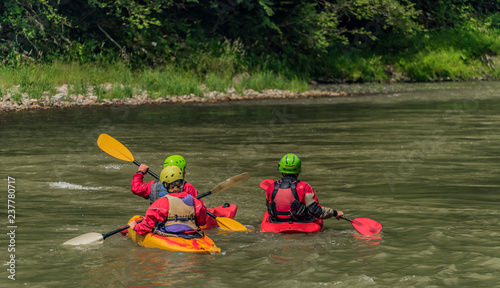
(65, 185)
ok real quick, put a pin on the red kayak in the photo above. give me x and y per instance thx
(291, 227)
(227, 210)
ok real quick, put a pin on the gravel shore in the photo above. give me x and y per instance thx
(63, 100)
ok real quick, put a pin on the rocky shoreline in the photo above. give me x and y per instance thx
(63, 100)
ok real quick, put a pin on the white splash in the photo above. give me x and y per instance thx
(65, 185)
(113, 166)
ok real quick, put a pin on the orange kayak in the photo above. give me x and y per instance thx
(203, 245)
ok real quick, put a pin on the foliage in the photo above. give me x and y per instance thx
(159, 31)
(462, 14)
(452, 53)
(215, 40)
(425, 66)
(32, 29)
(267, 80)
(357, 67)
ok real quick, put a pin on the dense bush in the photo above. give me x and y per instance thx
(351, 40)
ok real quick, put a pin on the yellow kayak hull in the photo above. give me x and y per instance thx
(203, 245)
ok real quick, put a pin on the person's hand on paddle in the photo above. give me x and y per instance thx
(143, 168)
(340, 214)
(132, 224)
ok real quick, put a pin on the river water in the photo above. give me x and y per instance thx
(421, 159)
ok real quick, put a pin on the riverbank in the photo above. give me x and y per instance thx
(65, 100)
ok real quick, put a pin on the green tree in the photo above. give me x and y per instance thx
(31, 29)
(459, 14)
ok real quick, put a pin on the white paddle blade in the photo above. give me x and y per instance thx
(85, 239)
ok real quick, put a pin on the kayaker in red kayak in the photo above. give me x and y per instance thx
(177, 213)
(154, 190)
(292, 200)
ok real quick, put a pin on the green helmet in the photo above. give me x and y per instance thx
(171, 174)
(290, 164)
(176, 160)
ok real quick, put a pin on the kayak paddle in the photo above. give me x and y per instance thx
(93, 237)
(225, 222)
(228, 223)
(116, 149)
(365, 226)
(228, 183)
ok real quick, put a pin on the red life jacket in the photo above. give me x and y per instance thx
(285, 205)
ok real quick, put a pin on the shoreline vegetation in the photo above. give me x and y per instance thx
(132, 53)
(61, 85)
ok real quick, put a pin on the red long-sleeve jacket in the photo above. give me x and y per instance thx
(142, 189)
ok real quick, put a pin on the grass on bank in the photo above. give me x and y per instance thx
(118, 81)
(436, 55)
(453, 54)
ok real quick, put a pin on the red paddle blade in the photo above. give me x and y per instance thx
(366, 226)
(264, 184)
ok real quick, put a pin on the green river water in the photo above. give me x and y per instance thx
(422, 159)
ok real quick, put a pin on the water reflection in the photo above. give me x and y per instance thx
(371, 240)
(146, 267)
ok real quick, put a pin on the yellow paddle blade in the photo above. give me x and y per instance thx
(231, 182)
(114, 148)
(230, 224)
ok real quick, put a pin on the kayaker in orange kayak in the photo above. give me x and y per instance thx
(154, 190)
(177, 213)
(292, 200)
